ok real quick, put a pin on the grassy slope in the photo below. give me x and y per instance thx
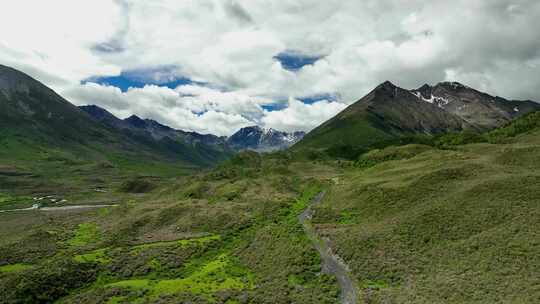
(37, 124)
(241, 242)
(344, 131)
(422, 225)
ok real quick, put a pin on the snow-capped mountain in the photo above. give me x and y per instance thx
(476, 108)
(263, 140)
(389, 112)
(250, 138)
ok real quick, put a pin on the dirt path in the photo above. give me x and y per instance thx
(332, 264)
(63, 208)
(37, 207)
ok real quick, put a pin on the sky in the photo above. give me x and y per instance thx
(214, 66)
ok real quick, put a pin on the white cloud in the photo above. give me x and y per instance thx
(202, 109)
(190, 108)
(55, 37)
(300, 116)
(230, 44)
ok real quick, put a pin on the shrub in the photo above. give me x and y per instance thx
(137, 185)
(522, 125)
(377, 156)
(47, 283)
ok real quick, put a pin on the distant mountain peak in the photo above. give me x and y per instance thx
(453, 85)
(134, 118)
(389, 112)
(248, 138)
(263, 139)
(136, 121)
(386, 85)
(425, 86)
(388, 90)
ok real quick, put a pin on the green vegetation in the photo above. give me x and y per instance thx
(301, 203)
(13, 202)
(97, 256)
(217, 275)
(525, 124)
(137, 185)
(378, 156)
(14, 268)
(183, 243)
(86, 233)
(425, 225)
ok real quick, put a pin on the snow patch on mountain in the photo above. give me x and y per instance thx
(263, 139)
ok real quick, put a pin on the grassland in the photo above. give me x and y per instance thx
(424, 225)
(228, 235)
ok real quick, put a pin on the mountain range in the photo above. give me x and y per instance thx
(263, 140)
(32, 113)
(151, 128)
(252, 138)
(29, 109)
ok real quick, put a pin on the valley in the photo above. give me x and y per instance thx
(371, 207)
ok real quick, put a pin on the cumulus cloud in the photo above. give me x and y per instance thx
(299, 116)
(190, 107)
(55, 37)
(232, 45)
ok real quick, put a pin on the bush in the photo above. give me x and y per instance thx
(345, 151)
(455, 139)
(377, 156)
(196, 190)
(522, 125)
(137, 185)
(47, 283)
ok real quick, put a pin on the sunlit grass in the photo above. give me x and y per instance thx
(85, 234)
(14, 268)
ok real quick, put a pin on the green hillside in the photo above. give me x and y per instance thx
(386, 113)
(390, 115)
(422, 225)
(42, 134)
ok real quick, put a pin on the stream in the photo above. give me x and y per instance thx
(332, 264)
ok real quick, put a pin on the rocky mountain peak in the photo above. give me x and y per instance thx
(136, 121)
(389, 91)
(386, 86)
(453, 85)
(96, 112)
(262, 139)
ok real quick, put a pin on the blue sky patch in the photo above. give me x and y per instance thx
(139, 78)
(319, 97)
(294, 61)
(281, 103)
(274, 107)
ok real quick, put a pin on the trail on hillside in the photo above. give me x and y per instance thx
(332, 264)
(37, 207)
